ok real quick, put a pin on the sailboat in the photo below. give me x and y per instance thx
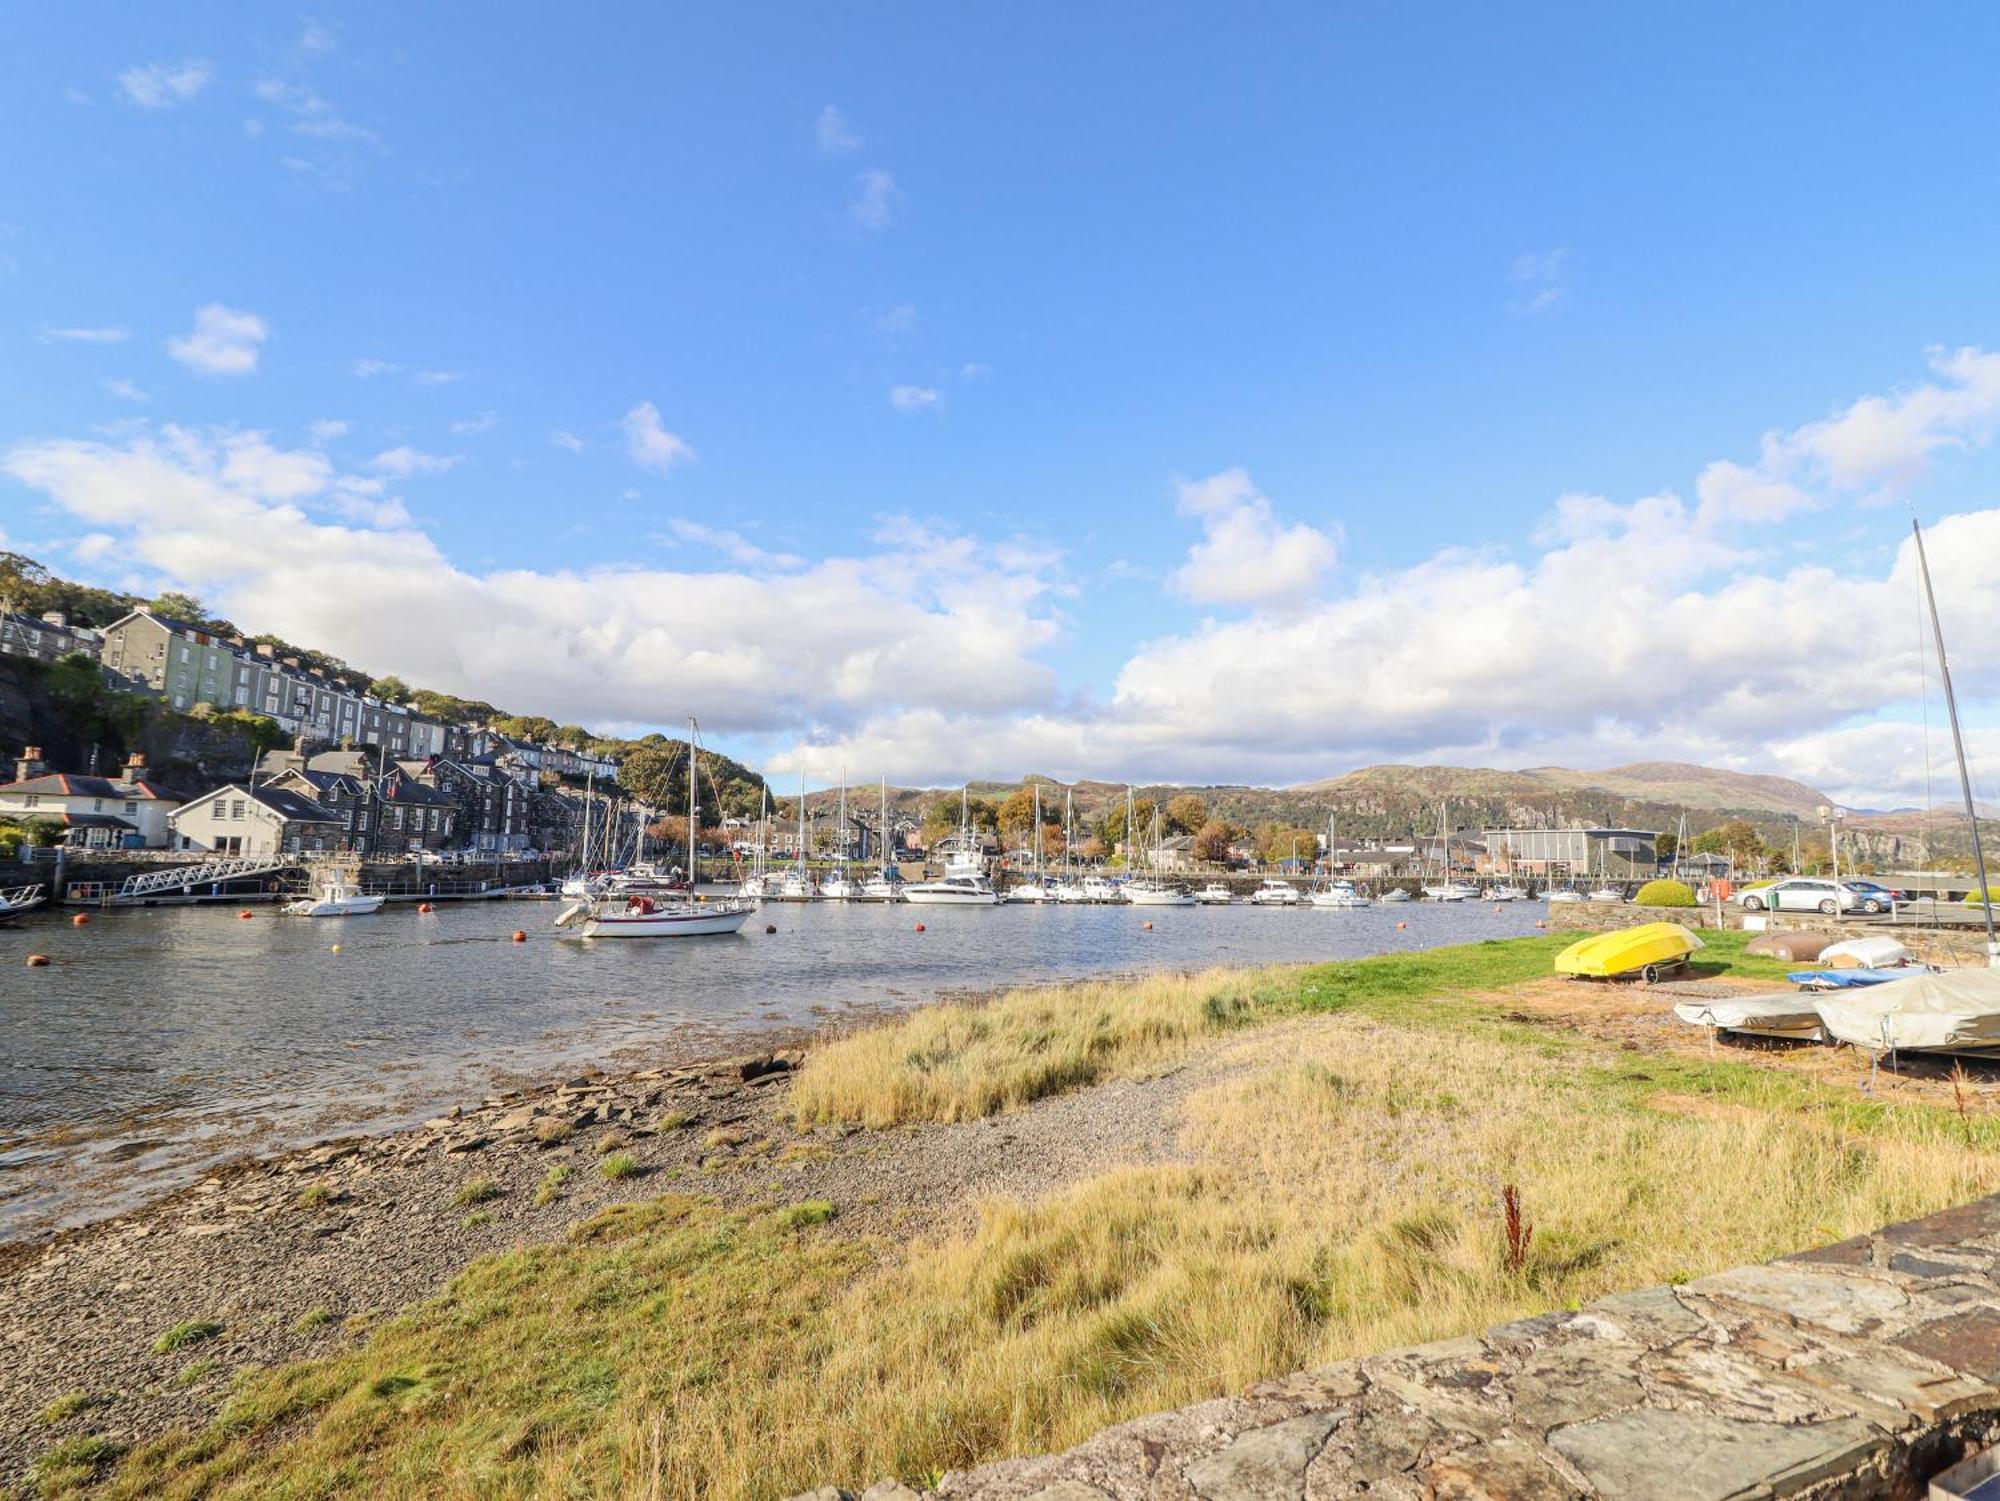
(1335, 893)
(886, 885)
(964, 882)
(1069, 888)
(837, 887)
(796, 884)
(1036, 888)
(581, 882)
(1150, 891)
(641, 916)
(1447, 889)
(755, 886)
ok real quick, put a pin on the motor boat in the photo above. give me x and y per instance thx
(1215, 894)
(1273, 892)
(1452, 891)
(1337, 894)
(1032, 892)
(884, 887)
(1071, 892)
(580, 886)
(1947, 1011)
(639, 916)
(18, 899)
(794, 885)
(1396, 894)
(1158, 894)
(1101, 889)
(838, 888)
(1565, 894)
(1507, 893)
(335, 899)
(1647, 952)
(952, 891)
(1608, 894)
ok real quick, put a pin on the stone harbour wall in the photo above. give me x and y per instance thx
(1857, 1370)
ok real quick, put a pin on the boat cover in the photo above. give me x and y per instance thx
(1845, 979)
(1795, 948)
(1934, 1010)
(1864, 953)
(1780, 1015)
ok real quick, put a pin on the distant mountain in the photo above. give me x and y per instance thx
(1655, 785)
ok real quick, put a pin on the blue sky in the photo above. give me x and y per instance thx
(872, 382)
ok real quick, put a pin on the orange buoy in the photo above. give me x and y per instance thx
(425, 907)
(1496, 906)
(244, 913)
(920, 927)
(1401, 925)
(1149, 927)
(1540, 923)
(770, 927)
(519, 936)
(79, 920)
(38, 961)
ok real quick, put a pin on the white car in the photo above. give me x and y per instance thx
(1802, 894)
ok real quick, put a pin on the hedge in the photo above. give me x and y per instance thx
(1664, 894)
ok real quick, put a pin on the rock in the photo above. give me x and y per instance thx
(757, 1068)
(1658, 1455)
(890, 1490)
(824, 1493)
(1070, 1490)
(1265, 1463)
(1826, 1300)
(467, 1143)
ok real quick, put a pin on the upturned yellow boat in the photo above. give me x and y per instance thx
(1648, 951)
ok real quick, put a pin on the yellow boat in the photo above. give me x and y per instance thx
(1648, 951)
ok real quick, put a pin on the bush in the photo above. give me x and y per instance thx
(1973, 898)
(1664, 894)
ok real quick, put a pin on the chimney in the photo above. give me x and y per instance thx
(264, 650)
(30, 763)
(55, 618)
(135, 767)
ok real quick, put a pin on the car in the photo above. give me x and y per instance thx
(1875, 897)
(1810, 894)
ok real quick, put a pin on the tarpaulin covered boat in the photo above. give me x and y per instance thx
(1949, 1011)
(1793, 1017)
(1863, 953)
(1649, 950)
(1846, 979)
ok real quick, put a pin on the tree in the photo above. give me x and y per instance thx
(1212, 842)
(392, 689)
(1666, 846)
(1186, 814)
(656, 775)
(1017, 814)
(1737, 839)
(1279, 841)
(193, 611)
(1114, 819)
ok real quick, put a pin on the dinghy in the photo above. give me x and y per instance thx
(1648, 951)
(1864, 953)
(1845, 979)
(1792, 1018)
(1949, 1011)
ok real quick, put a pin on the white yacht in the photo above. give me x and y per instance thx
(885, 886)
(1564, 894)
(1608, 894)
(952, 891)
(794, 885)
(1032, 892)
(1158, 894)
(1102, 889)
(1452, 891)
(335, 899)
(1215, 894)
(1338, 894)
(1275, 893)
(838, 888)
(1506, 892)
(1396, 894)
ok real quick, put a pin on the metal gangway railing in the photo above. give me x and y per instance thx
(179, 878)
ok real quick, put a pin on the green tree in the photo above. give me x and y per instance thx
(1186, 814)
(1114, 819)
(656, 775)
(391, 689)
(1737, 839)
(1212, 841)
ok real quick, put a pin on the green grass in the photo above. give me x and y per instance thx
(193, 1332)
(477, 1219)
(620, 1165)
(318, 1195)
(478, 1191)
(811, 1212)
(68, 1405)
(552, 1180)
(194, 1371)
(73, 1465)
(312, 1319)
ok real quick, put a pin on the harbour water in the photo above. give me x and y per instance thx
(162, 1041)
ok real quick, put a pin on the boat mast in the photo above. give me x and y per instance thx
(840, 834)
(1958, 746)
(882, 834)
(694, 810)
(1038, 833)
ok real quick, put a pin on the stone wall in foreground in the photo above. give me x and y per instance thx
(1857, 1370)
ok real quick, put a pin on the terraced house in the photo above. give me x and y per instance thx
(126, 812)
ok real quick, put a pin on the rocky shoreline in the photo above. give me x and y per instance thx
(299, 1254)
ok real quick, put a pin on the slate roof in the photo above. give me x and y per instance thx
(64, 784)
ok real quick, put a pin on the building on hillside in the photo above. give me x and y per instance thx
(124, 812)
(492, 806)
(1175, 855)
(396, 813)
(1563, 854)
(188, 665)
(262, 820)
(47, 637)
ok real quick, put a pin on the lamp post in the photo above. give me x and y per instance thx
(1830, 816)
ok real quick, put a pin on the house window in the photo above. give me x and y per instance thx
(131, 807)
(235, 808)
(34, 800)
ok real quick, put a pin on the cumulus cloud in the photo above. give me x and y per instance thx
(914, 398)
(86, 335)
(223, 342)
(833, 132)
(566, 440)
(874, 203)
(162, 85)
(327, 429)
(1247, 556)
(647, 441)
(124, 390)
(732, 545)
(920, 616)
(406, 461)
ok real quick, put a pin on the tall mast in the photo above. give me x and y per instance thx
(1038, 831)
(1958, 746)
(694, 820)
(882, 836)
(840, 834)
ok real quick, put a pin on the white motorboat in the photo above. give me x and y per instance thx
(838, 888)
(1032, 892)
(1566, 894)
(18, 899)
(644, 878)
(1102, 889)
(641, 915)
(1337, 894)
(794, 885)
(1792, 1017)
(648, 917)
(1506, 893)
(1452, 891)
(885, 887)
(582, 886)
(1396, 894)
(1608, 894)
(1275, 893)
(1158, 894)
(1071, 892)
(1215, 894)
(952, 891)
(335, 899)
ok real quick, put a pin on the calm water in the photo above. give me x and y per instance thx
(166, 1039)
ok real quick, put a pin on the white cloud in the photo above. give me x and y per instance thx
(327, 429)
(875, 204)
(914, 398)
(647, 441)
(437, 377)
(1246, 555)
(974, 371)
(732, 545)
(161, 85)
(311, 115)
(125, 390)
(224, 341)
(86, 335)
(485, 422)
(921, 616)
(899, 320)
(370, 369)
(1538, 279)
(567, 440)
(833, 131)
(406, 461)
(316, 38)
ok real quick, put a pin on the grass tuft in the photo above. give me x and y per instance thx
(551, 1129)
(73, 1465)
(312, 1319)
(193, 1332)
(811, 1212)
(620, 1165)
(478, 1191)
(552, 1180)
(68, 1405)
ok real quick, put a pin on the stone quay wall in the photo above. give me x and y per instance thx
(1857, 1370)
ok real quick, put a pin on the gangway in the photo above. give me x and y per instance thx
(178, 880)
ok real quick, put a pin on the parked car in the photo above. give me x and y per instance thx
(1810, 894)
(1875, 897)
